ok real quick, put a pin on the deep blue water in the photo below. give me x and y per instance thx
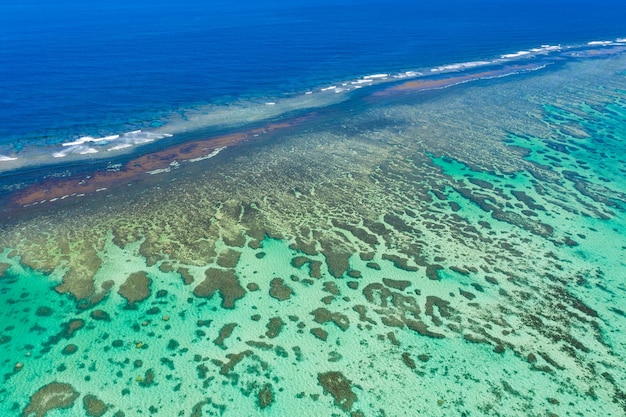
(72, 68)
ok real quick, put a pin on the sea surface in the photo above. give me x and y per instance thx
(102, 78)
(309, 208)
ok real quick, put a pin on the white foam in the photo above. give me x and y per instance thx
(211, 155)
(547, 48)
(620, 40)
(122, 146)
(408, 74)
(89, 145)
(91, 139)
(158, 171)
(515, 55)
(461, 66)
(599, 43)
(6, 158)
(376, 76)
(332, 87)
(84, 139)
(172, 165)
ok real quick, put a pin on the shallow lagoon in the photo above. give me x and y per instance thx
(454, 251)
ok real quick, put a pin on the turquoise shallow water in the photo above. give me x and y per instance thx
(436, 376)
(450, 252)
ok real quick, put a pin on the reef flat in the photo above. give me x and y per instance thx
(443, 252)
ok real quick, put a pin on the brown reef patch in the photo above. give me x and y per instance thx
(339, 387)
(397, 284)
(71, 327)
(279, 290)
(228, 258)
(337, 257)
(148, 379)
(186, 275)
(274, 327)
(55, 395)
(224, 281)
(225, 332)
(233, 360)
(100, 315)
(265, 397)
(136, 288)
(424, 85)
(140, 166)
(322, 315)
(69, 349)
(94, 407)
(43, 311)
(408, 361)
(320, 333)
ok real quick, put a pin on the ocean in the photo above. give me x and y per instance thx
(72, 71)
(282, 208)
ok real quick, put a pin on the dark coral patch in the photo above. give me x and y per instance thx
(265, 397)
(153, 310)
(69, 349)
(279, 290)
(94, 407)
(315, 269)
(432, 271)
(3, 268)
(421, 328)
(408, 361)
(55, 395)
(136, 288)
(353, 273)
(322, 315)
(274, 327)
(397, 284)
(337, 262)
(298, 261)
(100, 315)
(225, 332)
(339, 387)
(148, 379)
(43, 311)
(71, 327)
(398, 262)
(320, 333)
(229, 258)
(373, 265)
(224, 281)
(186, 275)
(233, 360)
